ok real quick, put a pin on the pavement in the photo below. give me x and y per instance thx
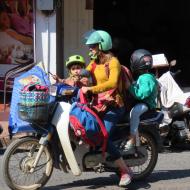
(172, 172)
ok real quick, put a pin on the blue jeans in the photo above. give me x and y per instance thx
(135, 114)
(110, 120)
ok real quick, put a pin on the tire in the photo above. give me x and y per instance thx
(144, 170)
(17, 160)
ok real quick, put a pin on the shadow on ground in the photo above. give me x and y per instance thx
(112, 180)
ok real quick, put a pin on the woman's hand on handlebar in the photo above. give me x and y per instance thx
(88, 95)
(85, 89)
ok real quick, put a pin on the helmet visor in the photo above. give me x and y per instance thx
(86, 35)
(92, 37)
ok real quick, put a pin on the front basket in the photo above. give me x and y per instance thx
(34, 114)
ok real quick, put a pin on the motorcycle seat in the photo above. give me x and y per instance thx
(151, 116)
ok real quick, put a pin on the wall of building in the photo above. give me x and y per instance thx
(45, 40)
(160, 26)
(77, 21)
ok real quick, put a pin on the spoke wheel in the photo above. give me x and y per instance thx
(18, 160)
(144, 170)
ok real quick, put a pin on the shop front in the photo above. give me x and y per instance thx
(46, 31)
(16, 37)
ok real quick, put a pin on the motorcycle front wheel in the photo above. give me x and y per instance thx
(143, 170)
(17, 165)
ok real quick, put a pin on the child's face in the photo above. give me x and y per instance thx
(75, 70)
(4, 21)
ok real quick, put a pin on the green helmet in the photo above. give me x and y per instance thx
(102, 38)
(75, 59)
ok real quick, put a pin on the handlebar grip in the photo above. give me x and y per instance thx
(174, 74)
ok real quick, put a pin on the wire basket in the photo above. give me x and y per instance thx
(34, 94)
(34, 98)
(34, 114)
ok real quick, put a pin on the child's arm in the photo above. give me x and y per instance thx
(67, 81)
(57, 78)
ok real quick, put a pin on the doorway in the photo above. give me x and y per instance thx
(159, 26)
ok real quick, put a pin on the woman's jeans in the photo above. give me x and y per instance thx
(110, 119)
(135, 114)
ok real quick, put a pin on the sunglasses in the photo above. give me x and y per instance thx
(92, 46)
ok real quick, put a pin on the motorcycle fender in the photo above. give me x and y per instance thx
(61, 121)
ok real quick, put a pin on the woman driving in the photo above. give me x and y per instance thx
(105, 69)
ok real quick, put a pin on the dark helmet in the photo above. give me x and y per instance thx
(141, 59)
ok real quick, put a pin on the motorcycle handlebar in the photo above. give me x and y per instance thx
(172, 63)
(174, 74)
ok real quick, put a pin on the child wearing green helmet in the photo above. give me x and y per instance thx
(78, 76)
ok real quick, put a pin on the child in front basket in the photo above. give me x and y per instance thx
(78, 76)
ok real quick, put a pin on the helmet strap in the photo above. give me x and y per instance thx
(93, 56)
(100, 46)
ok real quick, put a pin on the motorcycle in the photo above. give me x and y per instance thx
(175, 104)
(28, 162)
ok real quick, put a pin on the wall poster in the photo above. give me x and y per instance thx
(16, 34)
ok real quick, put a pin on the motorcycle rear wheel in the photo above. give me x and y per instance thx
(17, 161)
(144, 170)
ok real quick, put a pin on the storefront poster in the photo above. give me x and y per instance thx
(16, 33)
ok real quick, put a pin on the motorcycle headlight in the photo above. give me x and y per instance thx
(53, 90)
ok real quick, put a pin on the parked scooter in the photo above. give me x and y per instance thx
(175, 104)
(28, 162)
